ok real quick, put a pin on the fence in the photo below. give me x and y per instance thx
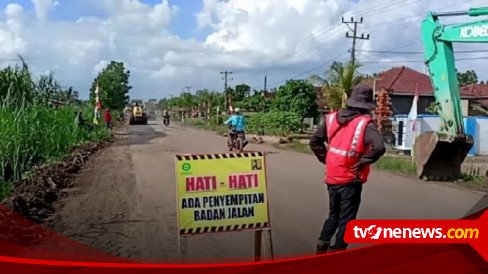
(405, 131)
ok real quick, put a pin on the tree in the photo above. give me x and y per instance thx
(163, 104)
(48, 88)
(338, 83)
(69, 96)
(297, 96)
(241, 92)
(467, 78)
(113, 82)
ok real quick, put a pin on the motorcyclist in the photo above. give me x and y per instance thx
(166, 117)
(237, 123)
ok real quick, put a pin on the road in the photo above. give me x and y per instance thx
(123, 201)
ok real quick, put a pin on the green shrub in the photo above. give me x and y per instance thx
(278, 123)
(212, 125)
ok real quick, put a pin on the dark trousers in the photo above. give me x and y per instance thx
(344, 203)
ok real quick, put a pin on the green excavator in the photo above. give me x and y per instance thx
(439, 155)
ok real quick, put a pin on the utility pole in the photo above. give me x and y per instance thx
(226, 82)
(264, 92)
(188, 89)
(354, 36)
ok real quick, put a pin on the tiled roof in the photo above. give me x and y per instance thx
(404, 81)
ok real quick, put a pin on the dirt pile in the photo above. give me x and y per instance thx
(34, 196)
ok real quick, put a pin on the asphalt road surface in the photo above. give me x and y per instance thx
(123, 201)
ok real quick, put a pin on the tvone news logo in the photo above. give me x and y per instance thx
(374, 232)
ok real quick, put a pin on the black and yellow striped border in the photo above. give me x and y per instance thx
(219, 156)
(212, 229)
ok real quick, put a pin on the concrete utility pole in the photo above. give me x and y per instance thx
(354, 36)
(226, 82)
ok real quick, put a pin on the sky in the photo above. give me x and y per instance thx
(171, 44)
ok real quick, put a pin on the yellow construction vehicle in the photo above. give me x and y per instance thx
(137, 115)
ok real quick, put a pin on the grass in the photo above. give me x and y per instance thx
(5, 188)
(200, 123)
(295, 146)
(473, 181)
(31, 131)
(396, 164)
(36, 135)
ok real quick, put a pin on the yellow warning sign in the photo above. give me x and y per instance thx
(221, 192)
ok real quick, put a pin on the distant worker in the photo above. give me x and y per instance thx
(107, 117)
(237, 123)
(353, 144)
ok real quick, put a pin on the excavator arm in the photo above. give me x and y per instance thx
(439, 155)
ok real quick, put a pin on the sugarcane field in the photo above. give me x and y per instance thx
(241, 136)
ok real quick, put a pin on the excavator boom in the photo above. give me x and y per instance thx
(439, 155)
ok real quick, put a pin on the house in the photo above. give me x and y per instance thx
(402, 83)
(479, 102)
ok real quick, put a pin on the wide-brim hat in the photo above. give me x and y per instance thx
(362, 97)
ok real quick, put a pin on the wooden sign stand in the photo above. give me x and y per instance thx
(262, 249)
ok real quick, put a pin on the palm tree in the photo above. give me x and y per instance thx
(338, 83)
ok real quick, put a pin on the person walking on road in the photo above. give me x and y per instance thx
(347, 142)
(107, 117)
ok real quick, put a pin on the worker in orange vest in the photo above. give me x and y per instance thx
(348, 142)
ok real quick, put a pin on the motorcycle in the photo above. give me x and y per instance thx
(236, 141)
(166, 121)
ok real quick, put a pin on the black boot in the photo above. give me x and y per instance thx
(322, 247)
(334, 249)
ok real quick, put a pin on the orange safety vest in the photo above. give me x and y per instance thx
(346, 145)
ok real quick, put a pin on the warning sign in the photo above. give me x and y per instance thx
(221, 192)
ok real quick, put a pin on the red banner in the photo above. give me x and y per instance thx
(26, 247)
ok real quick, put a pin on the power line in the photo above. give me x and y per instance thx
(310, 70)
(310, 39)
(418, 61)
(314, 39)
(417, 52)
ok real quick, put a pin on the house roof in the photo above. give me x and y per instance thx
(476, 90)
(404, 81)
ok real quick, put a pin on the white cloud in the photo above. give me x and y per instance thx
(252, 38)
(43, 7)
(100, 66)
(134, 14)
(11, 42)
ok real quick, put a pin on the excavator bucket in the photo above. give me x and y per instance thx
(439, 156)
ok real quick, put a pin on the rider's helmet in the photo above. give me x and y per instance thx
(237, 110)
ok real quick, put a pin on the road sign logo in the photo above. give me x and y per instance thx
(186, 167)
